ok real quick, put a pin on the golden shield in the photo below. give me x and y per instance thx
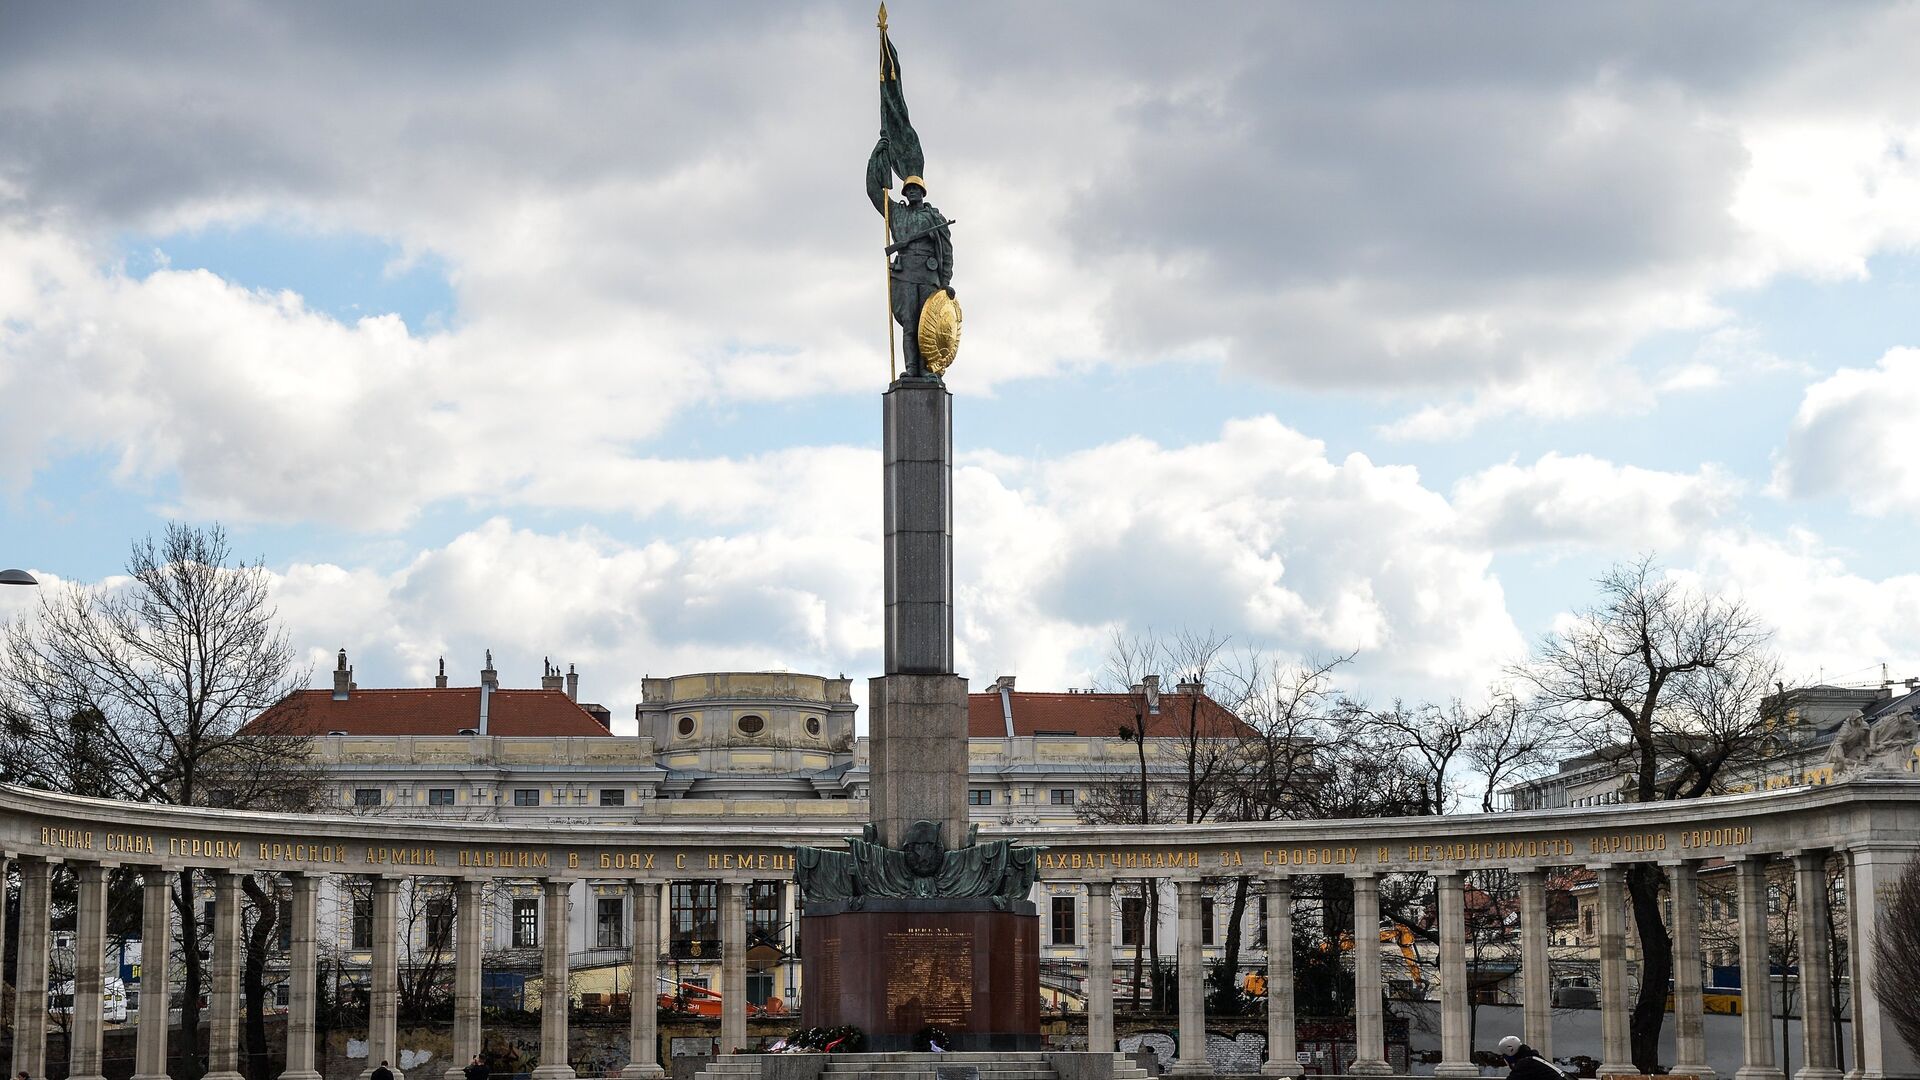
(939, 331)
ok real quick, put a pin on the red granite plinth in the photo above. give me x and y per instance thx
(895, 966)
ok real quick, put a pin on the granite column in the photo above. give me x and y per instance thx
(1369, 1025)
(1616, 1044)
(554, 976)
(303, 962)
(1192, 1057)
(1756, 973)
(30, 982)
(156, 971)
(1816, 968)
(643, 1034)
(1456, 1040)
(1689, 1004)
(89, 971)
(1100, 966)
(223, 1013)
(1536, 965)
(1281, 1042)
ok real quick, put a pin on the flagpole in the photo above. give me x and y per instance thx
(886, 217)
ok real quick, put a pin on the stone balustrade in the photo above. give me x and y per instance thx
(1870, 825)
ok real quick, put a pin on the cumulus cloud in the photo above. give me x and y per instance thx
(644, 211)
(1564, 500)
(1256, 534)
(1853, 437)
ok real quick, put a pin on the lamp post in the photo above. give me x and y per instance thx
(16, 577)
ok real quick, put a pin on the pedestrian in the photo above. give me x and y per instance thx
(477, 1069)
(383, 1072)
(1523, 1061)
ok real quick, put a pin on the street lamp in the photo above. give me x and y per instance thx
(16, 577)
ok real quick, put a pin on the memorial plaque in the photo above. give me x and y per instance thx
(900, 965)
(930, 976)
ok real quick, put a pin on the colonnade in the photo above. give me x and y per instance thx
(224, 1044)
(1818, 1053)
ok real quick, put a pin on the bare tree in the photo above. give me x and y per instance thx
(1673, 684)
(137, 689)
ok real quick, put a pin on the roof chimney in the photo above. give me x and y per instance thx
(1192, 684)
(488, 676)
(573, 683)
(342, 678)
(1150, 689)
(440, 680)
(549, 675)
(1004, 685)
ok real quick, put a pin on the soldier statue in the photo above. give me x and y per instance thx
(922, 252)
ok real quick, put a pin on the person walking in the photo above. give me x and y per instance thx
(1523, 1061)
(383, 1072)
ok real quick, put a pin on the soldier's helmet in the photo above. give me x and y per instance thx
(913, 181)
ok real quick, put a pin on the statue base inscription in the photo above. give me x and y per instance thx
(895, 966)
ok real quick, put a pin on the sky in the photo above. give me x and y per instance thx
(1377, 329)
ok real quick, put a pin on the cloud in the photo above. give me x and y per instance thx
(646, 211)
(1565, 500)
(1853, 437)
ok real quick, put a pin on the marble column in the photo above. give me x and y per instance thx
(30, 981)
(156, 973)
(1456, 1036)
(1877, 871)
(383, 994)
(1756, 980)
(643, 1035)
(1369, 1026)
(554, 975)
(1100, 967)
(1816, 968)
(1616, 1046)
(733, 966)
(1281, 1043)
(1536, 966)
(303, 973)
(1856, 1067)
(89, 971)
(223, 1013)
(469, 919)
(1689, 1007)
(1192, 1057)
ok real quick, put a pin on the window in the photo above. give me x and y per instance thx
(1061, 796)
(1773, 899)
(1206, 920)
(440, 796)
(813, 726)
(1586, 921)
(439, 919)
(1133, 911)
(752, 725)
(526, 796)
(979, 796)
(362, 933)
(280, 995)
(686, 727)
(366, 796)
(526, 923)
(1713, 908)
(1063, 921)
(609, 922)
(613, 796)
(693, 919)
(764, 913)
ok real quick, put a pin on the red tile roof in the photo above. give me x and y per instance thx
(1098, 715)
(427, 711)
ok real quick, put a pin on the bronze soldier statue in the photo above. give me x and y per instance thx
(922, 251)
